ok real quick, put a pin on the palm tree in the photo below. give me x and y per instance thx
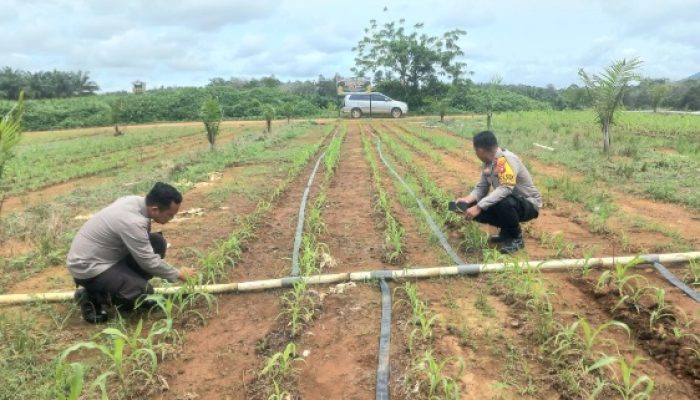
(211, 117)
(491, 91)
(84, 85)
(607, 89)
(10, 134)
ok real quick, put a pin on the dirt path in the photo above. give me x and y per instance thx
(353, 235)
(343, 345)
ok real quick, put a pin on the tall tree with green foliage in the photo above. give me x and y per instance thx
(607, 89)
(10, 135)
(211, 117)
(395, 52)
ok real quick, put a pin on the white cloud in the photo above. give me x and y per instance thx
(186, 42)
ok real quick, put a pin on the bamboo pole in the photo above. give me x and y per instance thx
(428, 272)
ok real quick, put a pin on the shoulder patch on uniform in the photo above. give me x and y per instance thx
(505, 173)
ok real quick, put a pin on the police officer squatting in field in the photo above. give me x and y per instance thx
(514, 198)
(115, 254)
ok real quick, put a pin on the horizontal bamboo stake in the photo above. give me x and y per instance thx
(429, 272)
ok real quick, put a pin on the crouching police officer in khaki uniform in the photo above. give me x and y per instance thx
(514, 198)
(115, 254)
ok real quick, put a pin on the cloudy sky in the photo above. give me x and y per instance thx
(186, 42)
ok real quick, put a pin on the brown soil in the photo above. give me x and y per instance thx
(343, 344)
(353, 236)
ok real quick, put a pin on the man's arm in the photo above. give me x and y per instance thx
(479, 191)
(135, 238)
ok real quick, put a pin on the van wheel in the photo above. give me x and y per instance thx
(356, 113)
(396, 113)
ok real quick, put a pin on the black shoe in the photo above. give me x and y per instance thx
(512, 245)
(500, 238)
(92, 311)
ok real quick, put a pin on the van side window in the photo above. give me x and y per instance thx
(378, 97)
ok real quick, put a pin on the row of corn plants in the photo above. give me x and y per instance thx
(394, 234)
(584, 362)
(429, 375)
(215, 264)
(474, 240)
(299, 305)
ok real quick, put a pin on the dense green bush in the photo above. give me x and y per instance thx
(181, 104)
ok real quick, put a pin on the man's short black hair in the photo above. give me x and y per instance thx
(163, 195)
(485, 140)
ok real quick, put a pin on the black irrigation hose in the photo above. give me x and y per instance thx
(302, 209)
(676, 282)
(384, 343)
(300, 223)
(433, 226)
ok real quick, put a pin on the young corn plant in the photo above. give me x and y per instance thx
(314, 220)
(621, 278)
(589, 335)
(69, 380)
(393, 240)
(431, 375)
(298, 306)
(128, 356)
(627, 386)
(332, 156)
(281, 363)
(474, 240)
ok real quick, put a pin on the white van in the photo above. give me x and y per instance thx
(359, 103)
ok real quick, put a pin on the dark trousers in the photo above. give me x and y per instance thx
(125, 281)
(508, 214)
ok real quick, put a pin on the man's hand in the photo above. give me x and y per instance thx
(185, 273)
(472, 212)
(468, 199)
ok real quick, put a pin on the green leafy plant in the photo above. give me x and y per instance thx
(282, 363)
(607, 89)
(69, 380)
(431, 372)
(211, 115)
(628, 387)
(269, 115)
(10, 135)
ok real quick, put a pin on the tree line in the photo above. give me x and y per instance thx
(45, 84)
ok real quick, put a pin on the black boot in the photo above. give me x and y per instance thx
(92, 310)
(500, 238)
(513, 244)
